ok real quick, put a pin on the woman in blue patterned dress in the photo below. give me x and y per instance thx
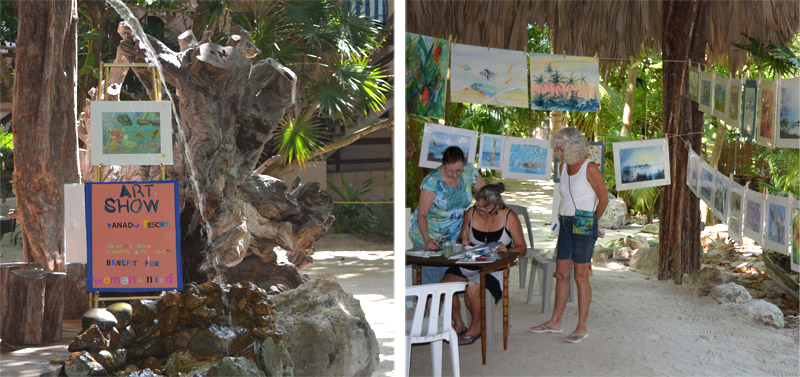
(444, 196)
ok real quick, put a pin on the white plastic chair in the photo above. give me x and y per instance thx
(548, 267)
(435, 324)
(531, 251)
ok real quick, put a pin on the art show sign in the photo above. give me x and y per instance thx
(133, 236)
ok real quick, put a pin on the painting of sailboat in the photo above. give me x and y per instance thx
(789, 112)
(436, 139)
(488, 76)
(563, 82)
(491, 152)
(527, 159)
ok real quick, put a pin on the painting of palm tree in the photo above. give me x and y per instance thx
(560, 82)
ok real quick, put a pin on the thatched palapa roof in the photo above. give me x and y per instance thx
(614, 30)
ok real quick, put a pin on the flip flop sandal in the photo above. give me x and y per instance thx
(576, 338)
(545, 329)
(471, 338)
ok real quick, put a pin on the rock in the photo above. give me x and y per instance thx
(147, 372)
(791, 322)
(122, 312)
(704, 280)
(83, 364)
(120, 357)
(235, 366)
(602, 254)
(185, 363)
(651, 228)
(207, 343)
(168, 320)
(623, 253)
(274, 359)
(763, 312)
(126, 337)
(645, 260)
(105, 358)
(636, 242)
(152, 363)
(91, 339)
(731, 293)
(615, 214)
(329, 333)
(103, 318)
(144, 310)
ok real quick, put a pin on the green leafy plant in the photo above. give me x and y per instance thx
(299, 137)
(351, 215)
(6, 163)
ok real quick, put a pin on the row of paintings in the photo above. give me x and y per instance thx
(493, 76)
(769, 220)
(768, 112)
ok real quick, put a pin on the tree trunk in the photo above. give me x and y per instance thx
(228, 108)
(45, 144)
(684, 37)
(630, 91)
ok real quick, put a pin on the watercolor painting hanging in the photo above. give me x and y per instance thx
(735, 203)
(427, 61)
(693, 171)
(749, 109)
(720, 96)
(789, 113)
(693, 81)
(488, 76)
(753, 225)
(640, 164)
(491, 151)
(131, 133)
(719, 206)
(436, 138)
(705, 92)
(767, 95)
(795, 248)
(778, 224)
(529, 159)
(734, 102)
(706, 183)
(563, 82)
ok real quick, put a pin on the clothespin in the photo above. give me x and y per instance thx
(791, 200)
(764, 194)
(746, 186)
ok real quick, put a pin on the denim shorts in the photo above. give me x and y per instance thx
(577, 247)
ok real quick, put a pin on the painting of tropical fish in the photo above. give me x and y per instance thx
(120, 138)
(487, 74)
(496, 76)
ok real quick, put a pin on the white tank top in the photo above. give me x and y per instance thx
(582, 192)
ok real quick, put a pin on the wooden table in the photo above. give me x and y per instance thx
(484, 268)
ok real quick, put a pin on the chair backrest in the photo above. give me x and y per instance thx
(437, 318)
(522, 211)
(409, 243)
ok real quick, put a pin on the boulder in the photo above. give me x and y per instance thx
(615, 214)
(636, 242)
(731, 293)
(762, 312)
(329, 334)
(602, 254)
(645, 260)
(274, 359)
(651, 228)
(122, 312)
(623, 253)
(235, 366)
(83, 364)
(103, 318)
(184, 363)
(705, 279)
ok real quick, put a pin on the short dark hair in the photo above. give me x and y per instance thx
(453, 154)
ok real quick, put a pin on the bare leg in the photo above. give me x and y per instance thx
(458, 323)
(584, 295)
(472, 299)
(563, 267)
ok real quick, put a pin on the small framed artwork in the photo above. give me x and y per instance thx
(491, 151)
(720, 205)
(753, 225)
(767, 96)
(131, 133)
(641, 164)
(749, 109)
(705, 92)
(735, 206)
(789, 114)
(693, 171)
(734, 102)
(778, 224)
(693, 80)
(795, 248)
(527, 159)
(706, 183)
(720, 97)
(436, 138)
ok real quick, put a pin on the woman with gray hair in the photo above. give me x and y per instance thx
(488, 221)
(583, 200)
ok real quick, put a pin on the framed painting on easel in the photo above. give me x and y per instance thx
(131, 133)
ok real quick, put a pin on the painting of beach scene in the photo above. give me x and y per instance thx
(720, 96)
(749, 109)
(693, 80)
(766, 114)
(132, 133)
(427, 61)
(640, 164)
(692, 171)
(734, 99)
(436, 138)
(778, 224)
(491, 151)
(488, 76)
(720, 204)
(705, 92)
(735, 201)
(706, 183)
(563, 82)
(795, 238)
(753, 216)
(789, 113)
(529, 159)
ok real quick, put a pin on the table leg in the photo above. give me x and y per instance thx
(419, 274)
(483, 316)
(505, 308)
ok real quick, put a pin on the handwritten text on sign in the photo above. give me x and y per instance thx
(133, 232)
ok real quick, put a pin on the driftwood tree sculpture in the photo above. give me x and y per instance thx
(232, 219)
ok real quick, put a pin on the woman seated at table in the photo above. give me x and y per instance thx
(488, 221)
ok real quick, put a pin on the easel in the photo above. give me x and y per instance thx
(94, 297)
